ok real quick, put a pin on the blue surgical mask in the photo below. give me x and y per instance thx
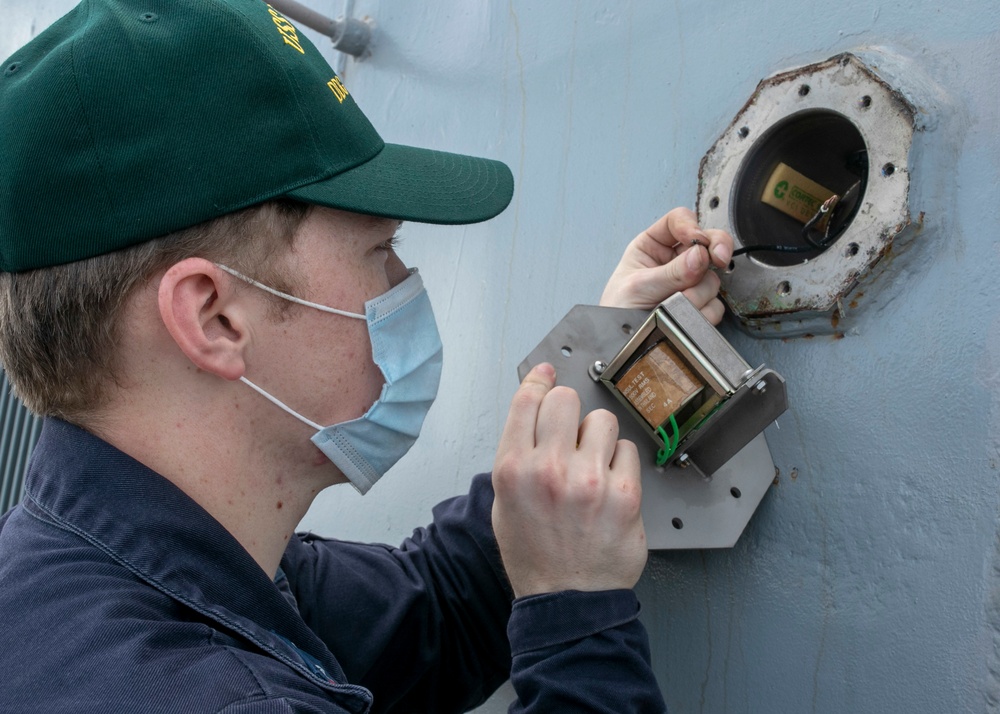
(406, 346)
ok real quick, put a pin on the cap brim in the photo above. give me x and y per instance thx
(419, 185)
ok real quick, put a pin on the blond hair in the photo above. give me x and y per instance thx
(61, 326)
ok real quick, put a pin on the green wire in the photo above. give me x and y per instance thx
(669, 447)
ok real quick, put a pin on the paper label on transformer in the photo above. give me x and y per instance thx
(794, 194)
(658, 384)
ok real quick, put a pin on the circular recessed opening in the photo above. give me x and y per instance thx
(852, 250)
(735, 492)
(803, 90)
(824, 147)
(865, 102)
(714, 203)
(566, 351)
(744, 132)
(888, 170)
(627, 329)
(677, 523)
(784, 288)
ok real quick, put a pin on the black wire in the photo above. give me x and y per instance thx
(773, 249)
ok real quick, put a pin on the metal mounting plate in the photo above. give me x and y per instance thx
(680, 507)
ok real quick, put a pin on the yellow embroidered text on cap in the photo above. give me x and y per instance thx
(338, 88)
(286, 29)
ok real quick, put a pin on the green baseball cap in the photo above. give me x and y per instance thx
(129, 119)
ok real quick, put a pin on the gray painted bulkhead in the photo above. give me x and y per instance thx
(869, 578)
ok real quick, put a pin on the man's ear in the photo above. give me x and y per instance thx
(204, 315)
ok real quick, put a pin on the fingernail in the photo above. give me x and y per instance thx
(693, 258)
(723, 254)
(547, 369)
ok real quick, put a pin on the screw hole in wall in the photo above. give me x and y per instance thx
(852, 250)
(744, 132)
(736, 492)
(803, 90)
(888, 170)
(12, 68)
(627, 329)
(677, 523)
(714, 203)
(784, 287)
(566, 351)
(149, 17)
(865, 102)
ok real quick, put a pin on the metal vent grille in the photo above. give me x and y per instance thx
(19, 431)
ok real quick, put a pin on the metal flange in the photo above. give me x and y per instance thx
(809, 296)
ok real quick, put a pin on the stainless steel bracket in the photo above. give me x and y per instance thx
(705, 495)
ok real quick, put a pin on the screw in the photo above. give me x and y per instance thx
(684, 460)
(760, 387)
(599, 367)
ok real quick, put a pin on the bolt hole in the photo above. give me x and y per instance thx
(714, 203)
(784, 287)
(865, 102)
(627, 329)
(566, 351)
(744, 132)
(888, 170)
(736, 492)
(852, 250)
(677, 523)
(11, 68)
(149, 17)
(803, 90)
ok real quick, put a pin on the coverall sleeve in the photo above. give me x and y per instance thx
(425, 626)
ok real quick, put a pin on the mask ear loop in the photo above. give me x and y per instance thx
(278, 403)
(286, 296)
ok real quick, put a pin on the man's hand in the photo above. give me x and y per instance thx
(566, 514)
(672, 255)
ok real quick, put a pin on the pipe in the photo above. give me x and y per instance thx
(349, 35)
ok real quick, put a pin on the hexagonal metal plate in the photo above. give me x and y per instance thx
(759, 293)
(680, 507)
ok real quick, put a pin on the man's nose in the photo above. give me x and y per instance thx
(395, 269)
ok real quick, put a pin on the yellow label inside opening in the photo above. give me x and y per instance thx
(795, 195)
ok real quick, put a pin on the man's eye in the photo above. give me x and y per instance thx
(391, 243)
